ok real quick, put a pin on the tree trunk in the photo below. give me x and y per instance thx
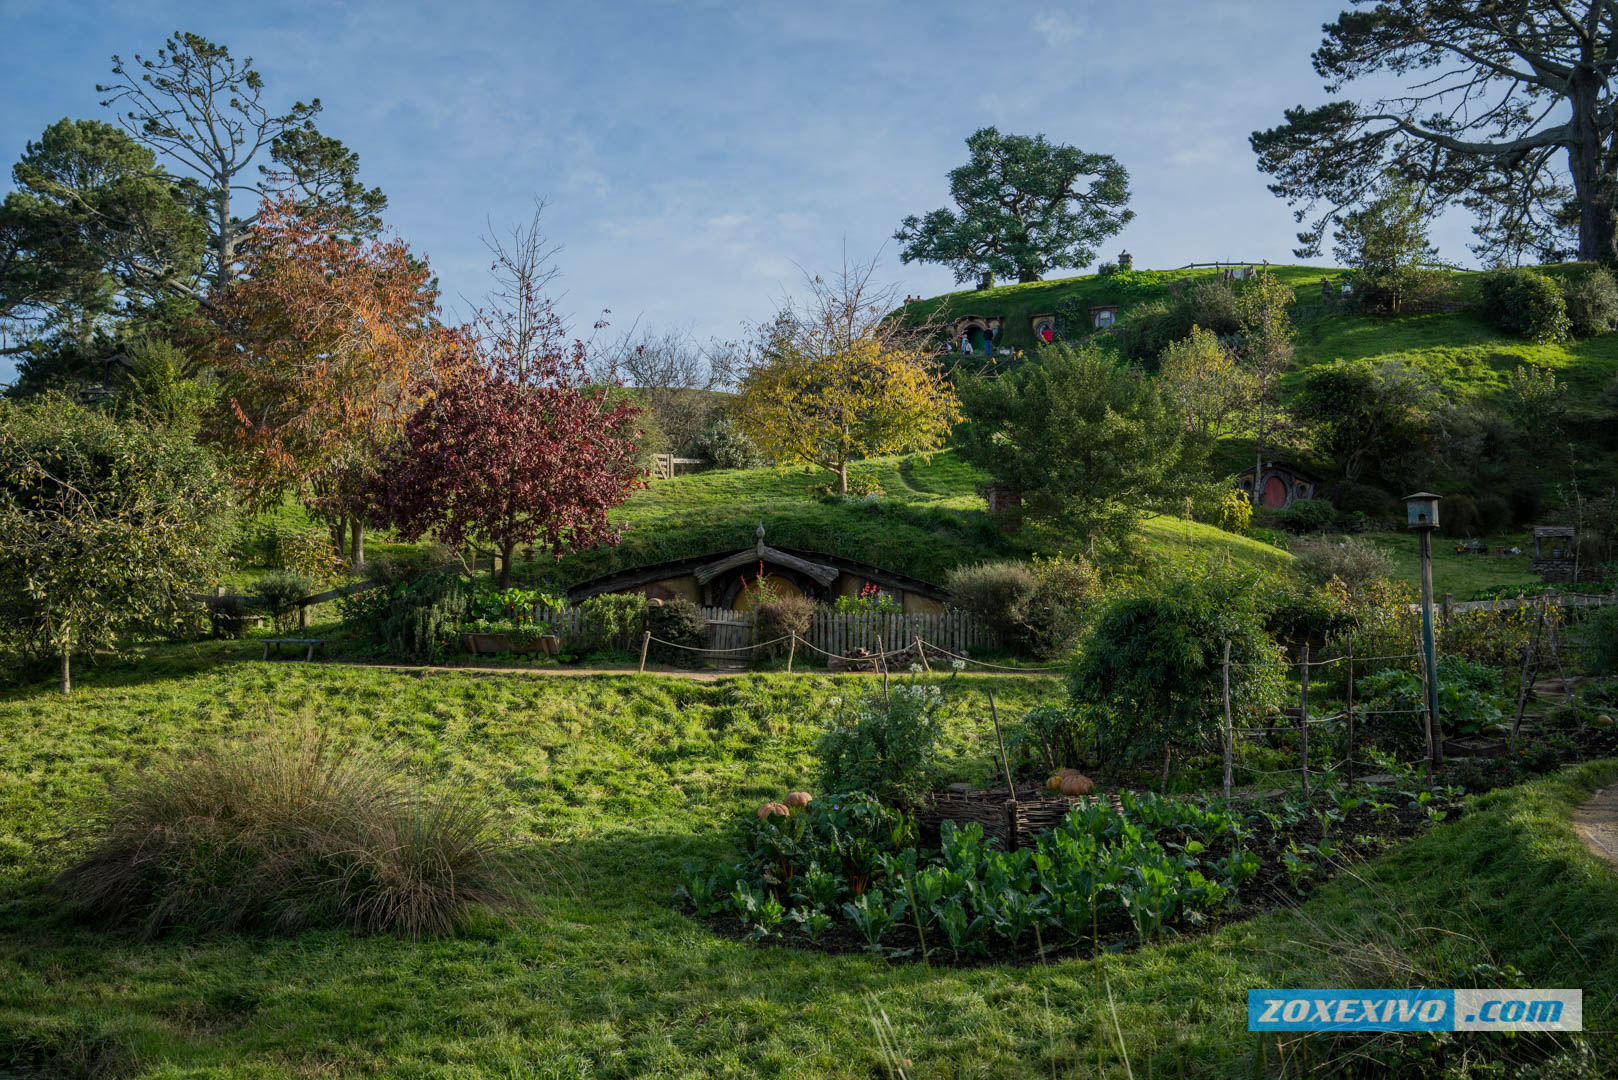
(225, 245)
(987, 280)
(506, 551)
(1593, 185)
(842, 478)
(339, 535)
(1025, 276)
(357, 546)
(67, 661)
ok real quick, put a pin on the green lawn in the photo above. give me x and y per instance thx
(1456, 574)
(613, 783)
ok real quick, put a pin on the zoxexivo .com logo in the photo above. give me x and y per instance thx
(1415, 1010)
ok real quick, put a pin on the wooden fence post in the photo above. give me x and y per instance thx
(1348, 707)
(921, 654)
(1005, 763)
(882, 664)
(1303, 719)
(1229, 735)
(792, 649)
(645, 643)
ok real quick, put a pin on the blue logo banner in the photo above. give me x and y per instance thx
(1415, 1010)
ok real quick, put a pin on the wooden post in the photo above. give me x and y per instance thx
(645, 643)
(1349, 709)
(1229, 734)
(882, 664)
(921, 654)
(303, 616)
(1303, 718)
(1527, 674)
(792, 649)
(1005, 762)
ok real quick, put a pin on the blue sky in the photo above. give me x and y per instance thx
(695, 155)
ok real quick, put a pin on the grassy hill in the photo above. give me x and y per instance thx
(930, 519)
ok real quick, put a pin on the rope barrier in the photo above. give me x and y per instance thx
(694, 648)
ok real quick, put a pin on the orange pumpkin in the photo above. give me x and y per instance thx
(1077, 784)
(773, 808)
(797, 800)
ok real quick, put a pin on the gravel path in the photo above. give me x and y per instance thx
(1596, 822)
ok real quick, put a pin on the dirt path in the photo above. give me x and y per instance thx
(1596, 822)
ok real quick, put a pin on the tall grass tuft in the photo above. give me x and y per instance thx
(290, 830)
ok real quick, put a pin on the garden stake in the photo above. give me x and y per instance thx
(1527, 674)
(882, 665)
(910, 891)
(922, 653)
(1303, 719)
(1348, 707)
(645, 642)
(792, 648)
(1228, 733)
(994, 714)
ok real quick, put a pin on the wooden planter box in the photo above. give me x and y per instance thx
(478, 644)
(1013, 824)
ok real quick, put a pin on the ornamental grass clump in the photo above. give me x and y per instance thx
(286, 831)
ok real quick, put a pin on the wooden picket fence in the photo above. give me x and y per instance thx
(836, 632)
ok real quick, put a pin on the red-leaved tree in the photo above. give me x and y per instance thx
(519, 449)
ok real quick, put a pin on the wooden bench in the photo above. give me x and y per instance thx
(280, 641)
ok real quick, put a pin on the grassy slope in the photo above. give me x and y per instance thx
(932, 518)
(615, 782)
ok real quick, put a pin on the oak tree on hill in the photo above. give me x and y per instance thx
(326, 348)
(1507, 110)
(834, 380)
(1023, 208)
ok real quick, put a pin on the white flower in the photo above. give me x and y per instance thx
(958, 665)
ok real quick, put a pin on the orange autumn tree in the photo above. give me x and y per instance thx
(327, 346)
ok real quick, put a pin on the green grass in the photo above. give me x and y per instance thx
(1460, 575)
(613, 783)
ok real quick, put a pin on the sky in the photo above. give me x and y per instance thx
(697, 158)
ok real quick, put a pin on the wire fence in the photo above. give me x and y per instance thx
(917, 650)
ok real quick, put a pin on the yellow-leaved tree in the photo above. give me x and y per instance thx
(835, 379)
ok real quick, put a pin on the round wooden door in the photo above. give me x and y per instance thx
(1275, 493)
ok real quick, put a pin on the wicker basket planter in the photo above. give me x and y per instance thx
(1014, 823)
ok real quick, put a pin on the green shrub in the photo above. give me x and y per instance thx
(277, 594)
(724, 444)
(1309, 515)
(781, 618)
(1150, 674)
(884, 747)
(1599, 638)
(1151, 327)
(1037, 606)
(412, 619)
(288, 831)
(1525, 302)
(677, 627)
(1592, 303)
(1354, 562)
(614, 620)
(995, 592)
(1393, 704)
